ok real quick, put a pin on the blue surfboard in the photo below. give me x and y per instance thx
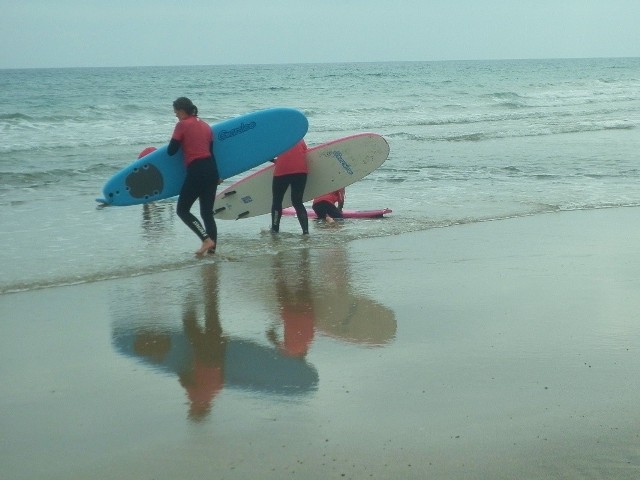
(239, 144)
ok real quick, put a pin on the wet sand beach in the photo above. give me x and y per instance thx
(495, 350)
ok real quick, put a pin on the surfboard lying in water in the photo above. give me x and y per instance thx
(239, 144)
(345, 213)
(332, 166)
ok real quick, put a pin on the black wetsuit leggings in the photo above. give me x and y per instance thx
(279, 187)
(325, 209)
(201, 183)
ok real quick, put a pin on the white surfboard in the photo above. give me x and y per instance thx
(332, 166)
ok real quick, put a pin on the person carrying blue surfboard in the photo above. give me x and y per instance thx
(196, 139)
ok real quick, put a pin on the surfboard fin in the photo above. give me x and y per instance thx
(218, 210)
(227, 194)
(242, 215)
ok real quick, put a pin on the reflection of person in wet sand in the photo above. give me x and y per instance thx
(156, 217)
(294, 297)
(152, 221)
(205, 378)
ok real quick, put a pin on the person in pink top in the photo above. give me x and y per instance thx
(195, 138)
(291, 170)
(325, 205)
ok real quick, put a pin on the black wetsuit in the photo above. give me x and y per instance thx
(201, 183)
(324, 209)
(279, 187)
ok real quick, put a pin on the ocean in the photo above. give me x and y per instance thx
(471, 141)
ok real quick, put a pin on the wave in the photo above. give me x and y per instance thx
(14, 116)
(45, 178)
(540, 130)
(386, 117)
(468, 137)
(122, 273)
(508, 100)
(109, 115)
(621, 125)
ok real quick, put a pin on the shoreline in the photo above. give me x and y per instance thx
(289, 232)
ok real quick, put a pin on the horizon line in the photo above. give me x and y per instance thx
(315, 63)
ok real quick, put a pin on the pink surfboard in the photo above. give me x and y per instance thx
(345, 213)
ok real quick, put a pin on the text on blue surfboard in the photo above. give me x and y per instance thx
(244, 127)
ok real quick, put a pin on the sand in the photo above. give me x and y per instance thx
(506, 349)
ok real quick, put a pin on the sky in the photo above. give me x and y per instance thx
(112, 33)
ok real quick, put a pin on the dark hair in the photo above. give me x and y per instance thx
(183, 103)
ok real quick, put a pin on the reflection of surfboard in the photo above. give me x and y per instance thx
(318, 289)
(239, 144)
(354, 318)
(345, 213)
(247, 365)
(332, 166)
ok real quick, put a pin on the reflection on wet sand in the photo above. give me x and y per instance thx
(295, 305)
(157, 218)
(205, 377)
(344, 314)
(183, 334)
(202, 356)
(318, 297)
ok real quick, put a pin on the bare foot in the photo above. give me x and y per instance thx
(207, 245)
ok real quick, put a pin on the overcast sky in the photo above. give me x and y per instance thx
(79, 33)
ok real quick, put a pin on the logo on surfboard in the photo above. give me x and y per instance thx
(244, 127)
(343, 162)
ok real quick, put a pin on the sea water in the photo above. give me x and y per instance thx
(470, 142)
